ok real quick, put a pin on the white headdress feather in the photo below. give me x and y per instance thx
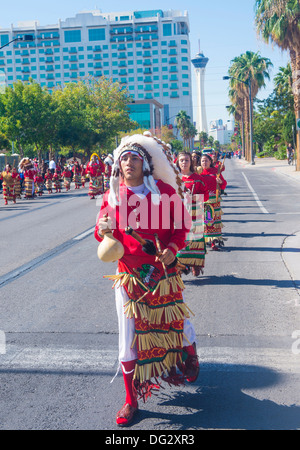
(164, 168)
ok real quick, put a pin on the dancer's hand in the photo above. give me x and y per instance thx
(104, 225)
(167, 257)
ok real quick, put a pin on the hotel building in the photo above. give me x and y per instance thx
(148, 52)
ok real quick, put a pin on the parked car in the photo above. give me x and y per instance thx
(207, 151)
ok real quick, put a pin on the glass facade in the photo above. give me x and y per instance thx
(141, 114)
(150, 55)
(97, 34)
(73, 36)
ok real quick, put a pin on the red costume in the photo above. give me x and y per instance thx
(48, 179)
(29, 175)
(213, 221)
(193, 254)
(83, 174)
(56, 180)
(67, 175)
(8, 179)
(77, 175)
(152, 316)
(39, 184)
(95, 170)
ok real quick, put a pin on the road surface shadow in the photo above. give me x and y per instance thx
(261, 249)
(219, 402)
(232, 280)
(253, 235)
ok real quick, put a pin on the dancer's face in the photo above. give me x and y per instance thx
(132, 169)
(205, 162)
(184, 163)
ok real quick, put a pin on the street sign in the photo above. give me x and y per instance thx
(298, 124)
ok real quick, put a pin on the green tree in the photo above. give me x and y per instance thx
(4, 142)
(26, 116)
(183, 122)
(12, 113)
(91, 114)
(203, 139)
(277, 21)
(251, 68)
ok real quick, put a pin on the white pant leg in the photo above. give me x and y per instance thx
(189, 333)
(126, 328)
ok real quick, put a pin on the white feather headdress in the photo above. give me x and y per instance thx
(164, 168)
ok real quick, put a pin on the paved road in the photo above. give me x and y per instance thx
(58, 319)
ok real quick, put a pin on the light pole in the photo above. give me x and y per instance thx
(247, 83)
(26, 37)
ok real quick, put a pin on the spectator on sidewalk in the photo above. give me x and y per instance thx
(290, 154)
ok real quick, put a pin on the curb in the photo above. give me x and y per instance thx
(291, 259)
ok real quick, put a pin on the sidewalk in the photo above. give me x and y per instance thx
(276, 165)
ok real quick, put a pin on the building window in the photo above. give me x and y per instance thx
(167, 29)
(4, 39)
(73, 36)
(97, 34)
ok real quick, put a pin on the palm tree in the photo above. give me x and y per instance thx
(192, 133)
(277, 21)
(203, 138)
(248, 68)
(236, 109)
(182, 122)
(283, 83)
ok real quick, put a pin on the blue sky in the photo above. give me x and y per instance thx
(225, 28)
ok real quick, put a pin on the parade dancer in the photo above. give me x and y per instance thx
(39, 184)
(193, 255)
(220, 166)
(95, 169)
(27, 167)
(196, 159)
(8, 180)
(67, 176)
(48, 181)
(216, 162)
(77, 174)
(155, 334)
(83, 175)
(56, 180)
(17, 187)
(213, 222)
(107, 173)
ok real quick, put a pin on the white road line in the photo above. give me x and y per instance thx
(83, 235)
(32, 358)
(250, 359)
(262, 208)
(219, 359)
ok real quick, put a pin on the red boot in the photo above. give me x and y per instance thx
(130, 407)
(191, 365)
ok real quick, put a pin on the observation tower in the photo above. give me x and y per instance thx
(200, 63)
